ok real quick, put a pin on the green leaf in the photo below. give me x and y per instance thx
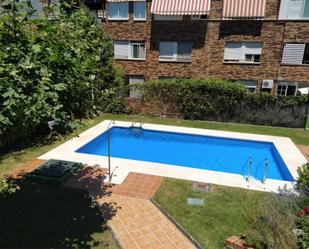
(60, 87)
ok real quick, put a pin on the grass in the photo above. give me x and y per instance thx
(12, 160)
(50, 216)
(221, 216)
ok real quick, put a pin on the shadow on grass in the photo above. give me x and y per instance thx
(51, 216)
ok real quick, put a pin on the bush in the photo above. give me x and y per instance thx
(275, 226)
(302, 183)
(7, 187)
(52, 70)
(283, 220)
(220, 100)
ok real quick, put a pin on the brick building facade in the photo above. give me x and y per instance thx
(209, 36)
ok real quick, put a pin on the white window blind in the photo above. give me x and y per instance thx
(293, 54)
(253, 48)
(121, 49)
(232, 51)
(134, 93)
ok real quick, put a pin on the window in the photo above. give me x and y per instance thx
(175, 51)
(249, 84)
(294, 9)
(287, 88)
(163, 78)
(199, 17)
(242, 52)
(139, 11)
(306, 55)
(295, 53)
(167, 18)
(134, 93)
(137, 50)
(125, 50)
(118, 11)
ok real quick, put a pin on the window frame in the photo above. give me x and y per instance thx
(285, 14)
(248, 84)
(130, 45)
(286, 84)
(117, 18)
(135, 94)
(140, 19)
(175, 57)
(303, 58)
(243, 53)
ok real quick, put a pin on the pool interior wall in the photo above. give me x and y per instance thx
(195, 151)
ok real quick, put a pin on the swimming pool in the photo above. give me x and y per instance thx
(192, 151)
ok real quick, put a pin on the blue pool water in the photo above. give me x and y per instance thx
(194, 151)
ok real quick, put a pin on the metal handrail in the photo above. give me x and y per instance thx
(265, 170)
(249, 168)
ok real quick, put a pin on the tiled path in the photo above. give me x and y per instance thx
(138, 224)
(138, 185)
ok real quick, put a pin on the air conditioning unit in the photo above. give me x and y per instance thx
(267, 84)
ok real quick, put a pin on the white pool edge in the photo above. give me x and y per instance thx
(290, 154)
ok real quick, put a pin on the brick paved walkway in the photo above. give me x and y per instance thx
(138, 185)
(138, 224)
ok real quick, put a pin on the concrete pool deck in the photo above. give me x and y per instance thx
(289, 152)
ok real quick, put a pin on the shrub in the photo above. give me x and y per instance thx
(274, 227)
(302, 183)
(7, 187)
(226, 101)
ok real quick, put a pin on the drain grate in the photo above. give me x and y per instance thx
(201, 187)
(195, 202)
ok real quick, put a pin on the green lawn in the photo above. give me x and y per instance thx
(15, 159)
(50, 216)
(221, 216)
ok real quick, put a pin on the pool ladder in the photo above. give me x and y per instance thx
(265, 170)
(137, 124)
(249, 169)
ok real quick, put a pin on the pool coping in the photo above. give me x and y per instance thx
(289, 152)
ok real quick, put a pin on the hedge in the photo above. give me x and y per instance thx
(226, 101)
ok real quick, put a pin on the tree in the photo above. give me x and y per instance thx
(52, 70)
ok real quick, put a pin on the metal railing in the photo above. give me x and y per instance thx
(265, 171)
(249, 168)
